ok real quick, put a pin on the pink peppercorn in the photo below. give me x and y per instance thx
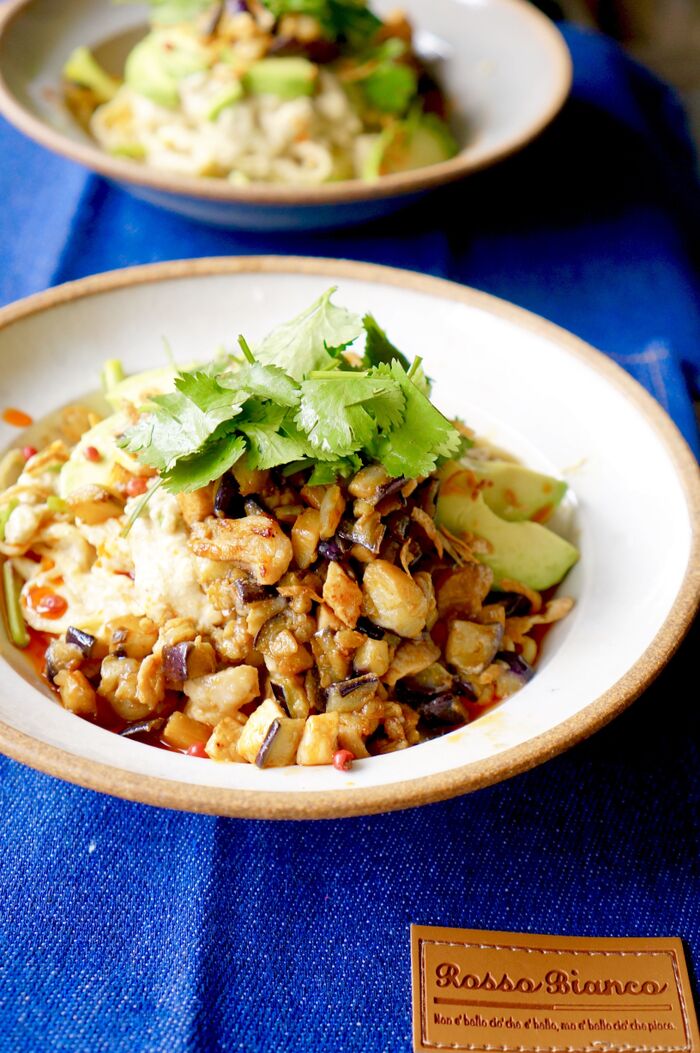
(92, 453)
(342, 760)
(197, 750)
(137, 485)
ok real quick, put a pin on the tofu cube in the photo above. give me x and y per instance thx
(257, 727)
(372, 657)
(350, 734)
(212, 697)
(223, 743)
(320, 739)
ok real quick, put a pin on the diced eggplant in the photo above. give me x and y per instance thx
(387, 488)
(228, 503)
(280, 745)
(331, 550)
(175, 662)
(61, 655)
(516, 605)
(80, 639)
(142, 727)
(427, 496)
(332, 664)
(472, 647)
(518, 673)
(269, 630)
(446, 710)
(187, 661)
(320, 51)
(464, 590)
(434, 680)
(465, 689)
(251, 507)
(398, 525)
(517, 664)
(290, 693)
(368, 532)
(364, 625)
(349, 695)
(248, 591)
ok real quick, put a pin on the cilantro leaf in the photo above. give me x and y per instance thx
(181, 421)
(352, 21)
(340, 413)
(310, 340)
(268, 446)
(378, 346)
(424, 435)
(327, 472)
(215, 458)
(269, 382)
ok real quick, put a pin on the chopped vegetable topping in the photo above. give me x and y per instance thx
(317, 411)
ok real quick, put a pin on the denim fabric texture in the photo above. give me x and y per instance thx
(128, 929)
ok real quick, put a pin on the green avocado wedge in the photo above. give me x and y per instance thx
(79, 470)
(136, 390)
(160, 61)
(140, 387)
(414, 143)
(83, 68)
(285, 77)
(520, 551)
(517, 493)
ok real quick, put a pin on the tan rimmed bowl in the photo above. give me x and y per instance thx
(504, 65)
(634, 510)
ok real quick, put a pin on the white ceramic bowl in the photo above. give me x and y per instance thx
(503, 64)
(529, 386)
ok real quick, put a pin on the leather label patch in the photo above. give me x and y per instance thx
(521, 993)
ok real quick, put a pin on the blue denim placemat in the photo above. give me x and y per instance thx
(131, 929)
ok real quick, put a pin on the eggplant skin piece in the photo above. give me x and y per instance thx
(142, 727)
(81, 639)
(446, 710)
(279, 747)
(175, 662)
(228, 503)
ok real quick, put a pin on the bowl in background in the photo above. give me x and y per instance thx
(503, 64)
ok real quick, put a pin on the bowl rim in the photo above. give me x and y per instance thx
(264, 804)
(277, 195)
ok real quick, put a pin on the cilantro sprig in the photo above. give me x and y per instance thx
(297, 402)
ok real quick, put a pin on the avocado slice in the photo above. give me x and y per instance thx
(159, 62)
(224, 99)
(137, 390)
(141, 387)
(83, 68)
(517, 493)
(78, 471)
(286, 77)
(414, 143)
(520, 551)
